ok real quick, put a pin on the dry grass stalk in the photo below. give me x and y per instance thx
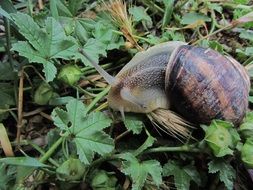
(118, 12)
(171, 123)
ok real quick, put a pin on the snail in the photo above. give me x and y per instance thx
(198, 83)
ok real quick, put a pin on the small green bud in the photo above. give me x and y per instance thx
(103, 180)
(246, 128)
(43, 94)
(247, 153)
(70, 74)
(221, 137)
(71, 169)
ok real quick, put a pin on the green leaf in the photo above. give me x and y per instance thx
(249, 51)
(133, 123)
(182, 175)
(140, 14)
(62, 9)
(94, 48)
(148, 143)
(31, 31)
(22, 161)
(226, 172)
(86, 130)
(6, 175)
(75, 5)
(6, 94)
(169, 5)
(190, 18)
(44, 44)
(60, 118)
(140, 171)
(215, 7)
(63, 100)
(49, 70)
(247, 34)
(26, 50)
(6, 72)
(245, 2)
(87, 144)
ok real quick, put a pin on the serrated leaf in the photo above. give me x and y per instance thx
(86, 129)
(140, 14)
(148, 143)
(140, 171)
(102, 32)
(26, 50)
(62, 9)
(31, 31)
(44, 44)
(182, 175)
(94, 48)
(227, 173)
(133, 123)
(60, 118)
(50, 71)
(76, 112)
(88, 143)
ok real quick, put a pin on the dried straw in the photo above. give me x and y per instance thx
(171, 123)
(118, 12)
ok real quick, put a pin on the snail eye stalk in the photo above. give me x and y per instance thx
(110, 79)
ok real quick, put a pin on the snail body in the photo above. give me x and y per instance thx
(199, 83)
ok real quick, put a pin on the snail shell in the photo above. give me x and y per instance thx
(203, 85)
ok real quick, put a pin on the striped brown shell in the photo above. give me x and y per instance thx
(203, 85)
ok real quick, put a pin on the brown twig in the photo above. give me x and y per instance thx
(20, 104)
(34, 112)
(46, 116)
(41, 5)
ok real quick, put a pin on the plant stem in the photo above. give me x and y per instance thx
(41, 151)
(211, 34)
(135, 36)
(8, 49)
(86, 92)
(184, 148)
(20, 104)
(52, 149)
(98, 97)
(152, 6)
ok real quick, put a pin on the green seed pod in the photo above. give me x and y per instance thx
(70, 74)
(247, 153)
(221, 137)
(71, 169)
(43, 94)
(246, 128)
(103, 180)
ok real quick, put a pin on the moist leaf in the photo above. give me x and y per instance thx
(141, 171)
(182, 175)
(44, 43)
(86, 130)
(226, 172)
